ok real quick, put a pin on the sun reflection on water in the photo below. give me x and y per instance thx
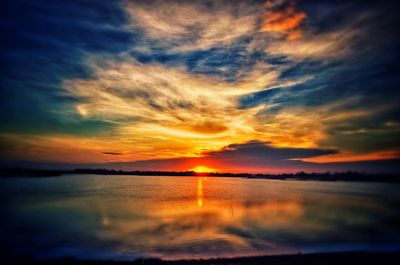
(200, 192)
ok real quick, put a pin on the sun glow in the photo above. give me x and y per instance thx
(202, 169)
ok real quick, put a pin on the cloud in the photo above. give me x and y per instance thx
(333, 32)
(154, 104)
(47, 43)
(331, 45)
(262, 150)
(284, 20)
(113, 153)
(167, 79)
(252, 156)
(262, 157)
(343, 157)
(195, 24)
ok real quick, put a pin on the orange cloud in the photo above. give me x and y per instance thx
(286, 21)
(348, 157)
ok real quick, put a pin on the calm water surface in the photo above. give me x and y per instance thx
(124, 217)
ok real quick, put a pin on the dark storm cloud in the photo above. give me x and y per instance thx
(265, 151)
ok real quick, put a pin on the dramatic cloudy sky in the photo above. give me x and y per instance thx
(258, 86)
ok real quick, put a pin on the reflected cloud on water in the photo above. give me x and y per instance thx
(199, 217)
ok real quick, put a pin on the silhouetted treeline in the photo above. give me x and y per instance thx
(23, 172)
(363, 258)
(328, 176)
(135, 172)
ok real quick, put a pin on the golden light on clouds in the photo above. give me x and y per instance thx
(171, 21)
(170, 109)
(196, 77)
(159, 106)
(349, 157)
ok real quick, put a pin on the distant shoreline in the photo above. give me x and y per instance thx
(364, 258)
(302, 176)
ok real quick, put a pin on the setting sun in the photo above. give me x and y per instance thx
(199, 132)
(202, 169)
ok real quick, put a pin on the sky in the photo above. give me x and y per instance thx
(232, 86)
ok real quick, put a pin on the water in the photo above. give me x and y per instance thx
(125, 217)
